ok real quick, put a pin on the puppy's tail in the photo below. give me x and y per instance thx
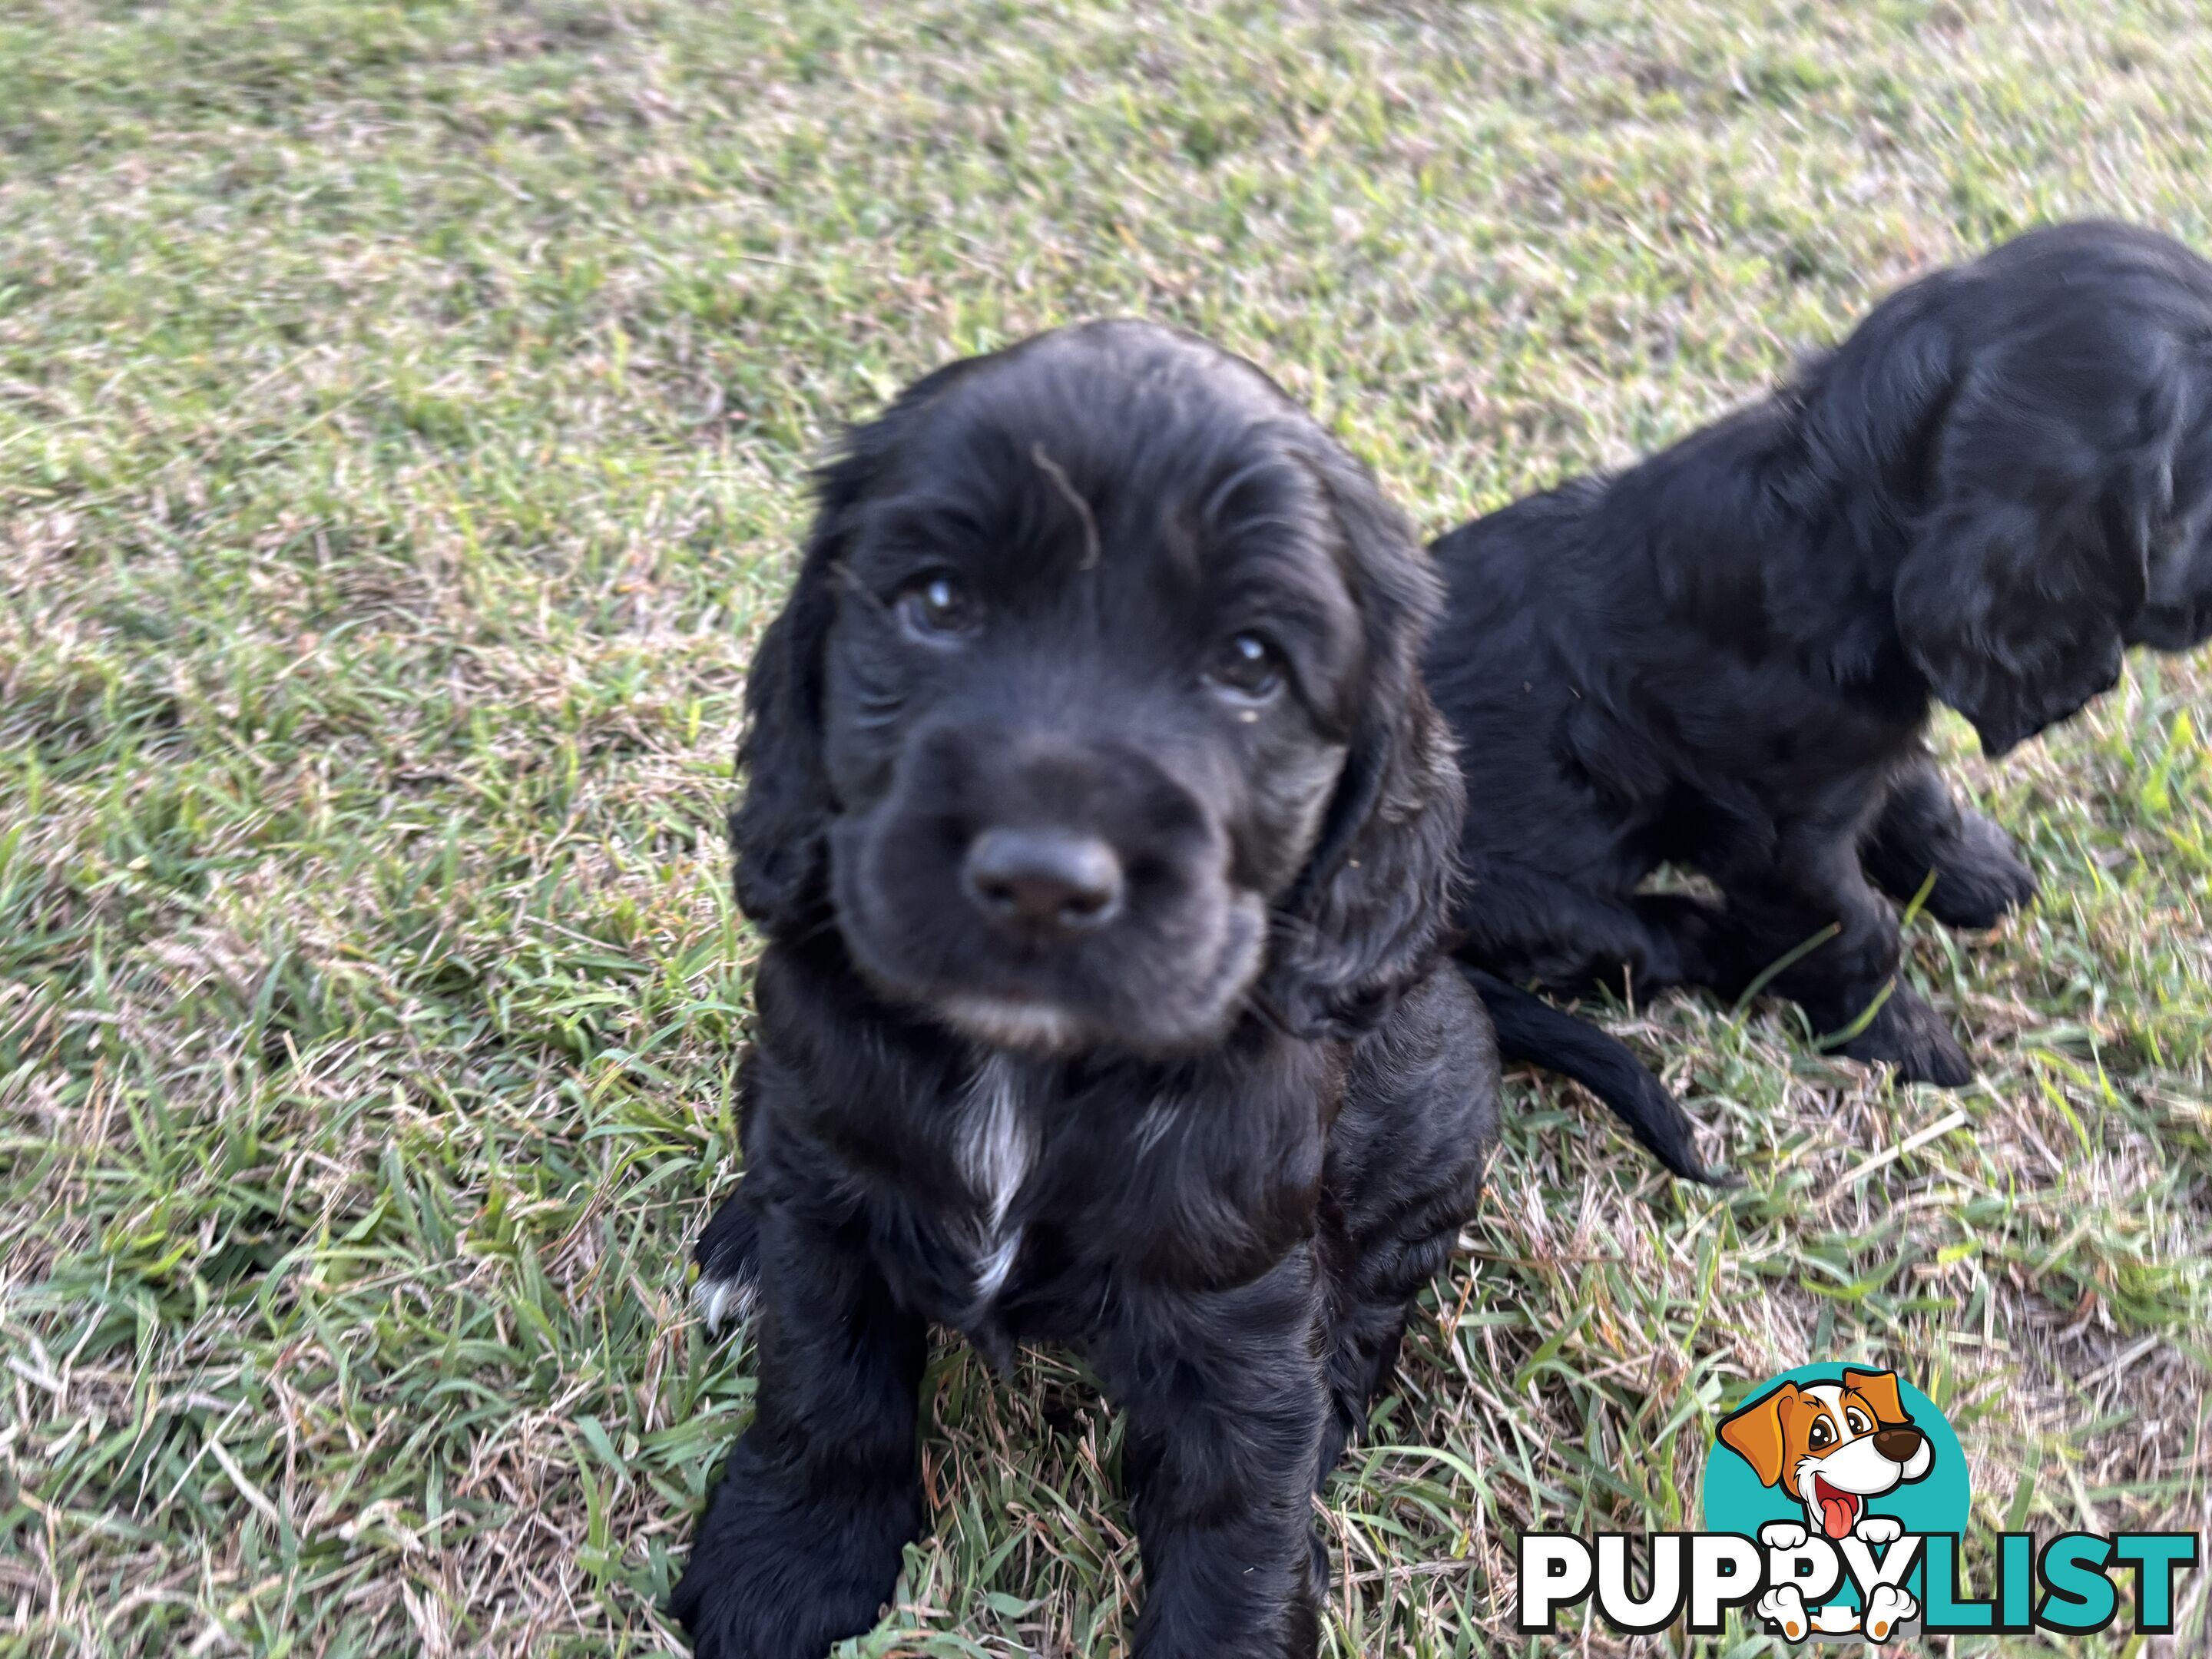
(1530, 1028)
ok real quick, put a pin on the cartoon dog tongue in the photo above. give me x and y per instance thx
(1837, 1509)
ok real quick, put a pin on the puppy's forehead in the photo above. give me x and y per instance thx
(1146, 362)
(1828, 1398)
(1150, 428)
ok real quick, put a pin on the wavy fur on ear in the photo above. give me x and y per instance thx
(2015, 619)
(1366, 918)
(2033, 554)
(2067, 496)
(777, 828)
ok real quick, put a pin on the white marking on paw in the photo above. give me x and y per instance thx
(722, 1301)
(1887, 1607)
(1782, 1535)
(1783, 1606)
(1880, 1530)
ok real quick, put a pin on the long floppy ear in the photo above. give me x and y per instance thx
(1878, 1389)
(2177, 613)
(779, 828)
(1754, 1434)
(2014, 610)
(1366, 915)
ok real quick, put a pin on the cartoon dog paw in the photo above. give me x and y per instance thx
(1887, 1607)
(1782, 1606)
(1782, 1535)
(1878, 1529)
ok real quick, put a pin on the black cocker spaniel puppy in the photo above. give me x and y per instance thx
(1725, 657)
(1101, 832)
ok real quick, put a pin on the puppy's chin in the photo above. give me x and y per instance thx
(1156, 1015)
(2000, 737)
(1034, 1027)
(2032, 710)
(2172, 627)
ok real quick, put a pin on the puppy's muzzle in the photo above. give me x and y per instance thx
(1074, 879)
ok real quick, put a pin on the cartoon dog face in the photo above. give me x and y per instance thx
(1831, 1445)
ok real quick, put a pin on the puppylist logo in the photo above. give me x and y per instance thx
(1834, 1501)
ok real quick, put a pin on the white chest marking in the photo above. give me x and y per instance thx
(995, 1154)
(1151, 1128)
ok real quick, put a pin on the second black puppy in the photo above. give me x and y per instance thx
(1726, 657)
(1101, 832)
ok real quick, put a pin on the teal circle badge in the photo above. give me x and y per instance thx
(1842, 1452)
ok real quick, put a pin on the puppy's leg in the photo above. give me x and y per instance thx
(1848, 982)
(1391, 1250)
(1225, 1406)
(802, 1538)
(1406, 1161)
(1980, 877)
(1525, 924)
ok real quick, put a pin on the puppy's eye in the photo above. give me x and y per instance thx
(1247, 666)
(936, 607)
(1860, 1422)
(1820, 1435)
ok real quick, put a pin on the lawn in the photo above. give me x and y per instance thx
(404, 419)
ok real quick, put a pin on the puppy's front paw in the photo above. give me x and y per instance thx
(775, 1601)
(1782, 1535)
(1783, 1607)
(728, 1253)
(723, 1302)
(1878, 1529)
(1887, 1607)
(1980, 877)
(780, 1577)
(1911, 1035)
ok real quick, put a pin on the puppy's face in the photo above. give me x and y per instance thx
(1831, 1445)
(1087, 693)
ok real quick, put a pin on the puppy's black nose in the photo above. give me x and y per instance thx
(1043, 881)
(1897, 1445)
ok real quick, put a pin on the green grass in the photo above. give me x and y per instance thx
(404, 418)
